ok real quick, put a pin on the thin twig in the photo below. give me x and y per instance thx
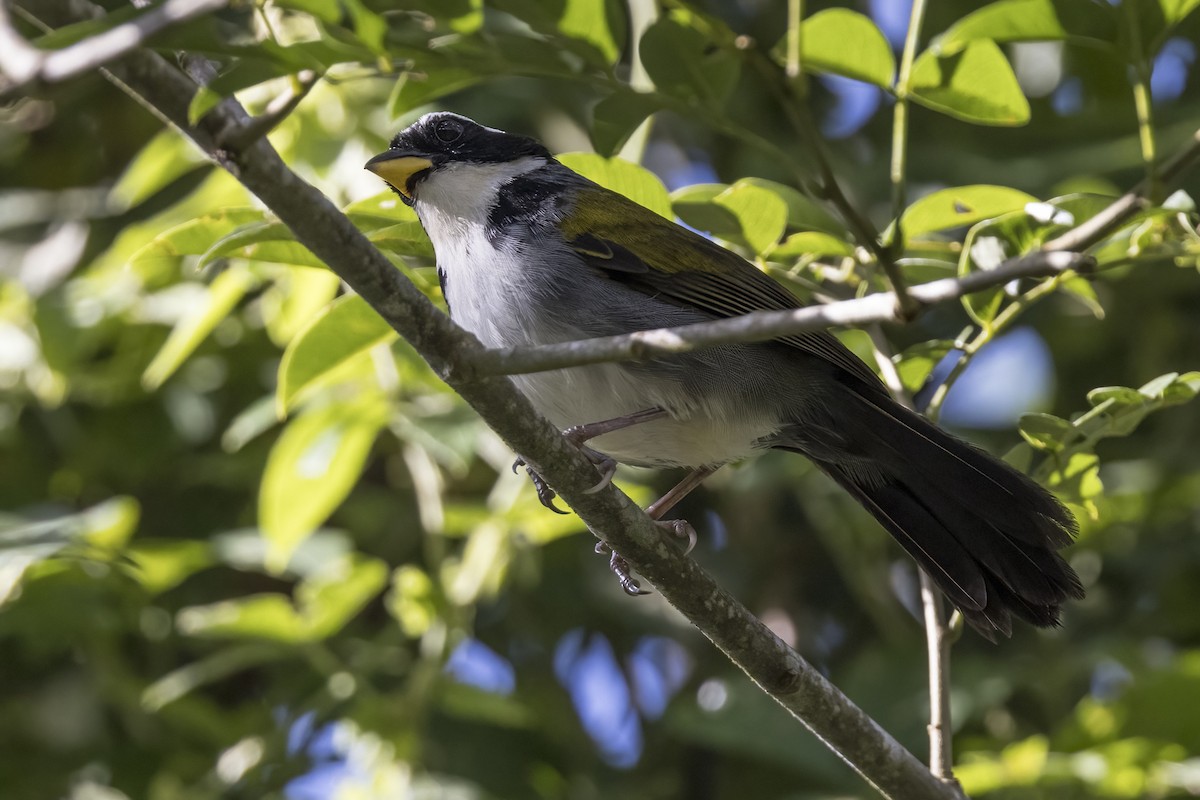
(762, 326)
(937, 635)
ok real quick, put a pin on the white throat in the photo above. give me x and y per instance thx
(486, 283)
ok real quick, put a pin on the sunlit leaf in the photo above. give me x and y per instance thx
(760, 213)
(975, 84)
(1033, 20)
(847, 43)
(324, 604)
(810, 243)
(272, 242)
(635, 182)
(917, 363)
(222, 296)
(346, 327)
(312, 467)
(164, 254)
(167, 157)
(296, 297)
(960, 206)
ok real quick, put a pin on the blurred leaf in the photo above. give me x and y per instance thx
(976, 85)
(324, 604)
(684, 62)
(263, 241)
(1045, 431)
(588, 21)
(1082, 290)
(916, 363)
(324, 10)
(162, 564)
(959, 206)
(695, 206)
(1033, 20)
(312, 467)
(847, 43)
(167, 157)
(412, 601)
(415, 89)
(296, 297)
(616, 117)
(635, 182)
(222, 296)
(164, 254)
(345, 328)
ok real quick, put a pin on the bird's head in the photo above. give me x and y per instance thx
(448, 160)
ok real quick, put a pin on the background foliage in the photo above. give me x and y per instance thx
(252, 547)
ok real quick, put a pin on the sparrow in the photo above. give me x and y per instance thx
(529, 252)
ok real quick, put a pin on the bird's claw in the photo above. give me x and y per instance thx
(620, 568)
(604, 464)
(679, 529)
(545, 494)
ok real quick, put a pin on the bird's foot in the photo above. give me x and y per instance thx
(545, 494)
(679, 529)
(620, 567)
(605, 465)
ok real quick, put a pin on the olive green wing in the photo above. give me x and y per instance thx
(665, 260)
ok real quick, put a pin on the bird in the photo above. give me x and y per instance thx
(529, 252)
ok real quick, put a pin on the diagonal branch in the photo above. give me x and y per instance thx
(318, 225)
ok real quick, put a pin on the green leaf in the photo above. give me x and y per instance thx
(415, 89)
(760, 213)
(412, 601)
(847, 43)
(162, 564)
(164, 255)
(803, 212)
(810, 243)
(1045, 431)
(324, 10)
(960, 206)
(617, 116)
(312, 467)
(1081, 289)
(167, 157)
(223, 295)
(1078, 481)
(271, 242)
(976, 84)
(1175, 11)
(324, 604)
(635, 182)
(346, 328)
(686, 63)
(916, 363)
(1032, 21)
(588, 21)
(696, 206)
(297, 296)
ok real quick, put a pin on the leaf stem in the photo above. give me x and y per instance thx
(1142, 101)
(900, 121)
(794, 38)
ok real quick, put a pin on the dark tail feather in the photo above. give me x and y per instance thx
(985, 533)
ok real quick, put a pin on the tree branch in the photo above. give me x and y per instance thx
(318, 225)
(23, 64)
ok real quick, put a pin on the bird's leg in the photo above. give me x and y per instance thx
(679, 528)
(578, 435)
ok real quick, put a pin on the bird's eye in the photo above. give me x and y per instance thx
(447, 130)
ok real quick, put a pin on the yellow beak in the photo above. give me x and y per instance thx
(398, 168)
